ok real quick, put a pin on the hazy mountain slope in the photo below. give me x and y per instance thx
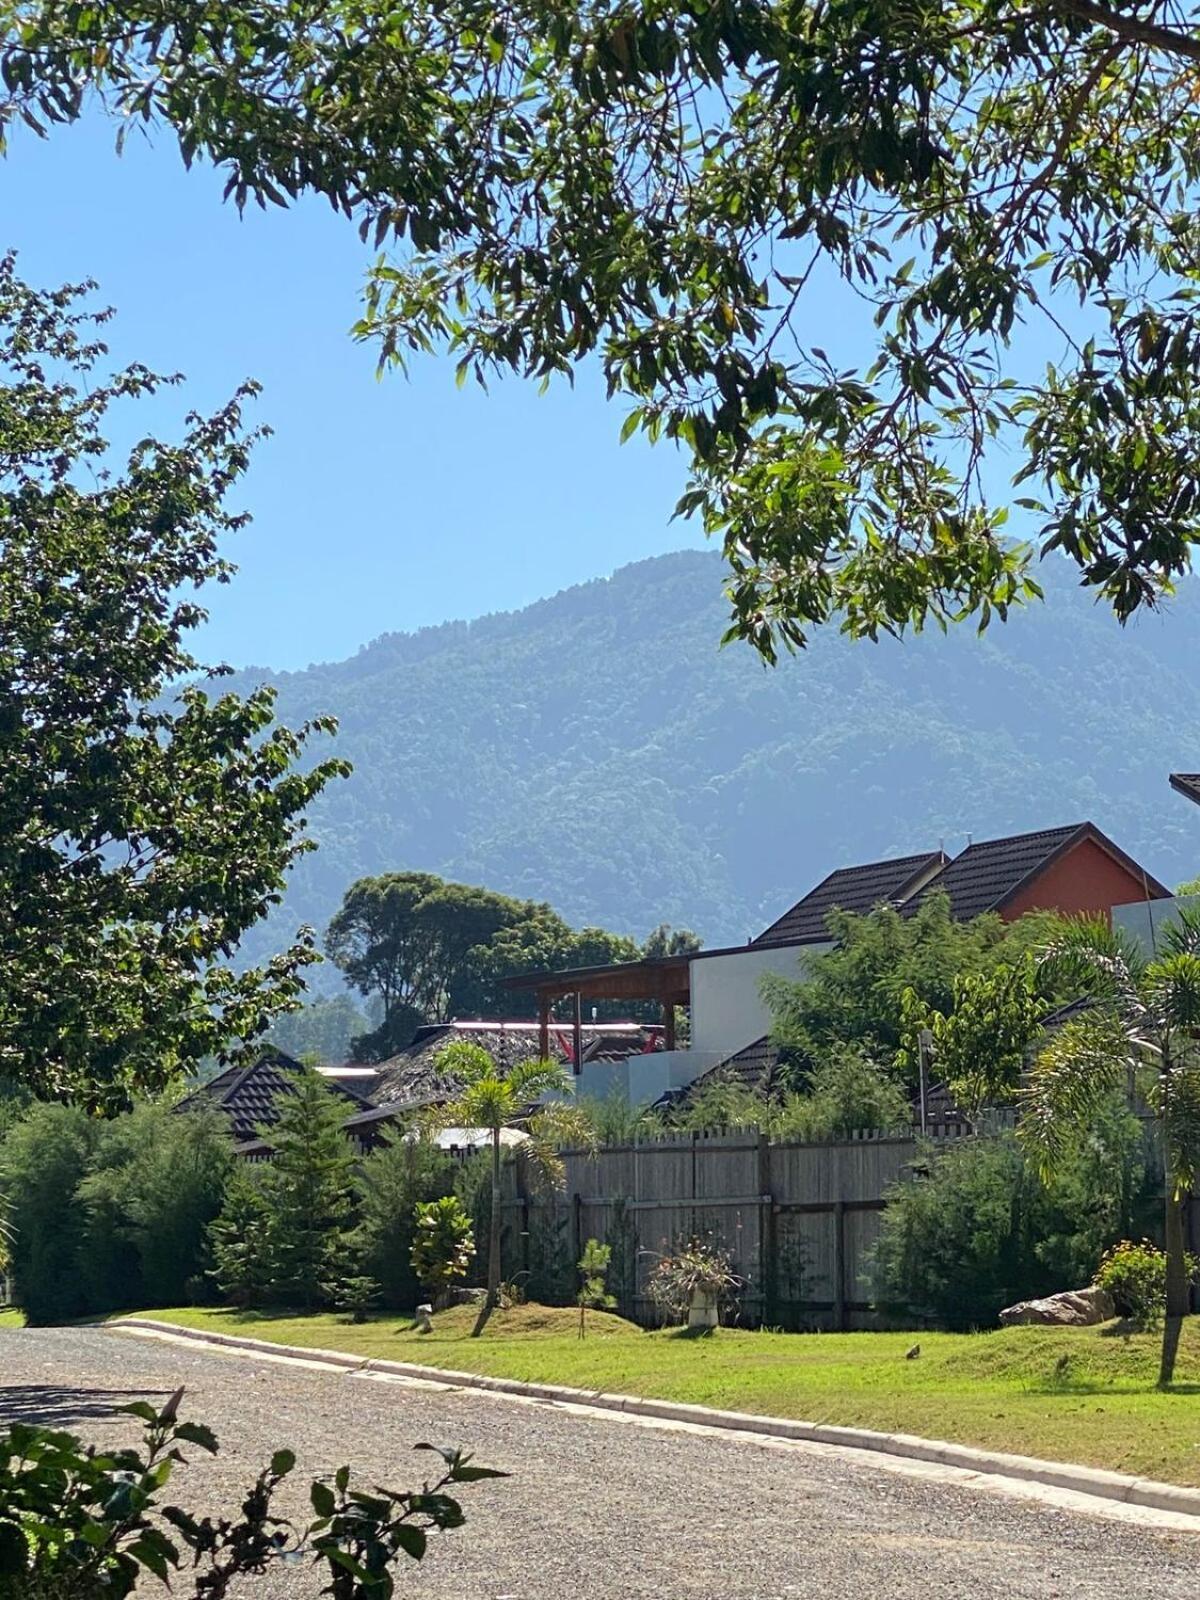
(598, 750)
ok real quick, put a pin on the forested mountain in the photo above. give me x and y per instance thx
(600, 751)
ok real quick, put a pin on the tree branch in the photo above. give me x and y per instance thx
(1138, 30)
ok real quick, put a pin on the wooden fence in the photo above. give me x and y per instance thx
(798, 1220)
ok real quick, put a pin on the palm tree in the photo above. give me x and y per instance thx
(1142, 1028)
(494, 1100)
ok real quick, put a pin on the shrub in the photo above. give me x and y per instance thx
(444, 1245)
(75, 1523)
(1135, 1275)
(847, 1092)
(593, 1289)
(977, 1230)
(42, 1163)
(393, 1180)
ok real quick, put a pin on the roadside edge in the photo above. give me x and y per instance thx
(1094, 1481)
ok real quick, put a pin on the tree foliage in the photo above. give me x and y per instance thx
(885, 968)
(671, 190)
(427, 950)
(142, 829)
(392, 1181)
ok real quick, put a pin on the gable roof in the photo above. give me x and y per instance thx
(987, 875)
(858, 889)
(1187, 783)
(248, 1095)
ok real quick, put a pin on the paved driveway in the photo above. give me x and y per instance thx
(602, 1509)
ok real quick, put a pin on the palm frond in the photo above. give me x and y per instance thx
(552, 1129)
(1071, 1079)
(1175, 1097)
(1181, 937)
(530, 1080)
(1094, 958)
(1173, 989)
(465, 1061)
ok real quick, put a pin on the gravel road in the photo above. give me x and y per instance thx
(598, 1509)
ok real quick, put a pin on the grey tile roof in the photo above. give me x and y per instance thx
(248, 1096)
(411, 1075)
(858, 889)
(1187, 783)
(987, 874)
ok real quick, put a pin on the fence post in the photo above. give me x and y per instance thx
(766, 1236)
(576, 1230)
(839, 1265)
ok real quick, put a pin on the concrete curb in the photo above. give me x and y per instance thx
(1027, 1469)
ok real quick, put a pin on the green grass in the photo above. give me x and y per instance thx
(11, 1319)
(1070, 1394)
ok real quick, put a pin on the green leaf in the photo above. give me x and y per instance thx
(324, 1501)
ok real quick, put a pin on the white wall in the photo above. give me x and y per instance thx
(727, 1010)
(1144, 920)
(641, 1079)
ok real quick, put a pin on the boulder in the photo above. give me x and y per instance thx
(467, 1297)
(1077, 1308)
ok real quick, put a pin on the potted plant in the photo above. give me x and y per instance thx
(696, 1281)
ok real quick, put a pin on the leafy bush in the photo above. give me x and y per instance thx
(393, 1180)
(42, 1163)
(698, 1266)
(1135, 1275)
(76, 1524)
(977, 1230)
(847, 1093)
(444, 1245)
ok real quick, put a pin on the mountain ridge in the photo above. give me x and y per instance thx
(598, 750)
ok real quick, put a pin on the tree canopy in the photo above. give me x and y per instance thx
(428, 950)
(1000, 200)
(143, 827)
(888, 974)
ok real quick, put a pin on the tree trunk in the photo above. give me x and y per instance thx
(1177, 1285)
(493, 1285)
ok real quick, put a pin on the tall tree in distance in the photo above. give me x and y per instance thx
(687, 193)
(143, 828)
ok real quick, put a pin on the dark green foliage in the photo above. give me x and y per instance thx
(845, 1094)
(884, 966)
(622, 1239)
(308, 1187)
(43, 1161)
(392, 1181)
(977, 1230)
(240, 1240)
(156, 1181)
(670, 192)
(143, 829)
(76, 1523)
(424, 950)
(443, 1246)
(551, 1279)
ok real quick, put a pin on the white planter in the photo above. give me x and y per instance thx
(702, 1313)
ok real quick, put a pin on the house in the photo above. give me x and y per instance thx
(1074, 869)
(1144, 919)
(249, 1095)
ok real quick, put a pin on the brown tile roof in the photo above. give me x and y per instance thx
(987, 875)
(1187, 783)
(411, 1076)
(248, 1095)
(858, 889)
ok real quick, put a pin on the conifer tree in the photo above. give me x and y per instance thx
(309, 1191)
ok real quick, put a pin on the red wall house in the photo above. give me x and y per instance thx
(1086, 878)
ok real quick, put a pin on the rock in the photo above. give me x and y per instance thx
(1077, 1308)
(468, 1297)
(911, 1355)
(424, 1322)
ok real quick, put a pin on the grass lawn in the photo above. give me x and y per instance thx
(1071, 1394)
(10, 1318)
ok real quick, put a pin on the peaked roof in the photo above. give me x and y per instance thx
(1187, 783)
(858, 889)
(986, 876)
(248, 1095)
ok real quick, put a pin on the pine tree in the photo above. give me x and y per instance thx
(309, 1191)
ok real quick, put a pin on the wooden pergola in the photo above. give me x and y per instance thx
(663, 979)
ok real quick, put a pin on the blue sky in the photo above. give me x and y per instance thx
(378, 504)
